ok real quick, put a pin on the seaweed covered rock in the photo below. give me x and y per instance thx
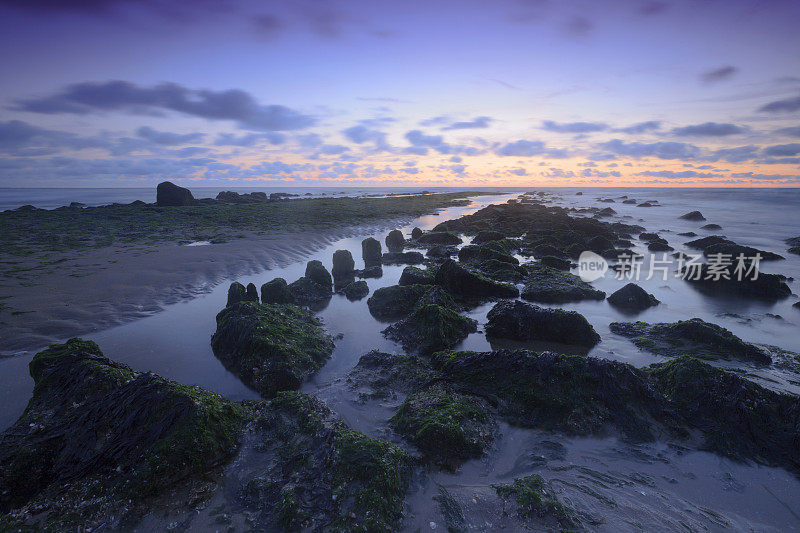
(693, 215)
(704, 242)
(441, 252)
(430, 328)
(462, 282)
(416, 276)
(416, 233)
(251, 293)
(381, 375)
(557, 263)
(307, 292)
(403, 258)
(316, 272)
(725, 281)
(632, 297)
(474, 252)
(527, 322)
(168, 195)
(738, 418)
(371, 252)
(735, 250)
(317, 474)
(447, 427)
(535, 501)
(343, 264)
(439, 238)
(270, 347)
(276, 292)
(690, 337)
(236, 293)
(97, 430)
(397, 301)
(395, 241)
(548, 285)
(501, 271)
(355, 290)
(487, 236)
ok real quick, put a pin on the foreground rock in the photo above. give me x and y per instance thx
(276, 292)
(725, 282)
(99, 437)
(693, 337)
(548, 285)
(371, 252)
(717, 244)
(343, 267)
(459, 281)
(270, 347)
(535, 500)
(316, 272)
(632, 297)
(169, 194)
(416, 276)
(527, 322)
(430, 328)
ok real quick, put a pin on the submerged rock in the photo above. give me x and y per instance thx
(371, 252)
(446, 426)
(693, 337)
(548, 285)
(439, 237)
(270, 347)
(316, 272)
(276, 292)
(97, 431)
(693, 215)
(416, 276)
(766, 286)
(395, 241)
(633, 297)
(459, 281)
(375, 271)
(735, 250)
(236, 293)
(169, 194)
(430, 328)
(355, 290)
(527, 322)
(383, 374)
(709, 227)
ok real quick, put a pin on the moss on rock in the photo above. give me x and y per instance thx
(276, 292)
(536, 500)
(430, 328)
(459, 281)
(527, 322)
(548, 285)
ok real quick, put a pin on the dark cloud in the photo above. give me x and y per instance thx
(787, 105)
(573, 127)
(44, 6)
(719, 74)
(234, 104)
(735, 155)
(783, 150)
(250, 139)
(708, 129)
(641, 127)
(519, 172)
(579, 26)
(477, 122)
(167, 138)
(360, 134)
(522, 148)
(662, 150)
(793, 131)
(332, 149)
(420, 142)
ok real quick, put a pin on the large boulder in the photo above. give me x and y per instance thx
(548, 285)
(430, 328)
(400, 258)
(355, 290)
(395, 241)
(276, 292)
(527, 322)
(169, 194)
(416, 276)
(487, 236)
(694, 337)
(459, 281)
(397, 301)
(316, 272)
(271, 347)
(343, 264)
(371, 252)
(307, 292)
(632, 297)
(416, 233)
(693, 215)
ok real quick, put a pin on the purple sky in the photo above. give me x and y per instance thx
(505, 92)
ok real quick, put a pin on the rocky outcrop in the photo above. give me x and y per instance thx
(430, 328)
(307, 292)
(459, 281)
(355, 290)
(397, 301)
(548, 285)
(474, 252)
(316, 272)
(416, 233)
(487, 236)
(270, 347)
(527, 322)
(632, 297)
(251, 293)
(343, 264)
(439, 238)
(416, 276)
(276, 292)
(168, 195)
(395, 241)
(403, 258)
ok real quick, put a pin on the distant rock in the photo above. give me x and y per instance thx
(371, 252)
(169, 194)
(527, 322)
(633, 297)
(711, 227)
(688, 234)
(395, 241)
(606, 212)
(693, 215)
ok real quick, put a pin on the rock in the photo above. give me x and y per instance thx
(646, 204)
(371, 252)
(606, 212)
(314, 473)
(711, 227)
(355, 290)
(501, 271)
(410, 258)
(474, 252)
(690, 337)
(659, 246)
(735, 250)
(375, 271)
(395, 241)
(270, 347)
(316, 272)
(632, 297)
(459, 281)
(796, 305)
(416, 233)
(380, 375)
(416, 276)
(599, 244)
(688, 234)
(536, 500)
(397, 301)
(307, 292)
(693, 215)
(527, 322)
(430, 328)
(629, 201)
(441, 252)
(647, 237)
(236, 293)
(251, 294)
(794, 250)
(768, 287)
(555, 262)
(548, 285)
(447, 427)
(125, 436)
(169, 194)
(439, 237)
(487, 236)
(343, 264)
(276, 292)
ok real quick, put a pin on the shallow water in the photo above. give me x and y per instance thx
(650, 486)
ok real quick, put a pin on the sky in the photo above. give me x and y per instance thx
(262, 93)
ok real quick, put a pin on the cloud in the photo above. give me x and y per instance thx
(234, 104)
(678, 175)
(783, 150)
(519, 172)
(167, 138)
(333, 149)
(787, 105)
(793, 131)
(573, 127)
(250, 139)
(641, 127)
(579, 26)
(360, 134)
(522, 148)
(477, 122)
(420, 142)
(735, 155)
(708, 129)
(662, 150)
(653, 8)
(719, 74)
